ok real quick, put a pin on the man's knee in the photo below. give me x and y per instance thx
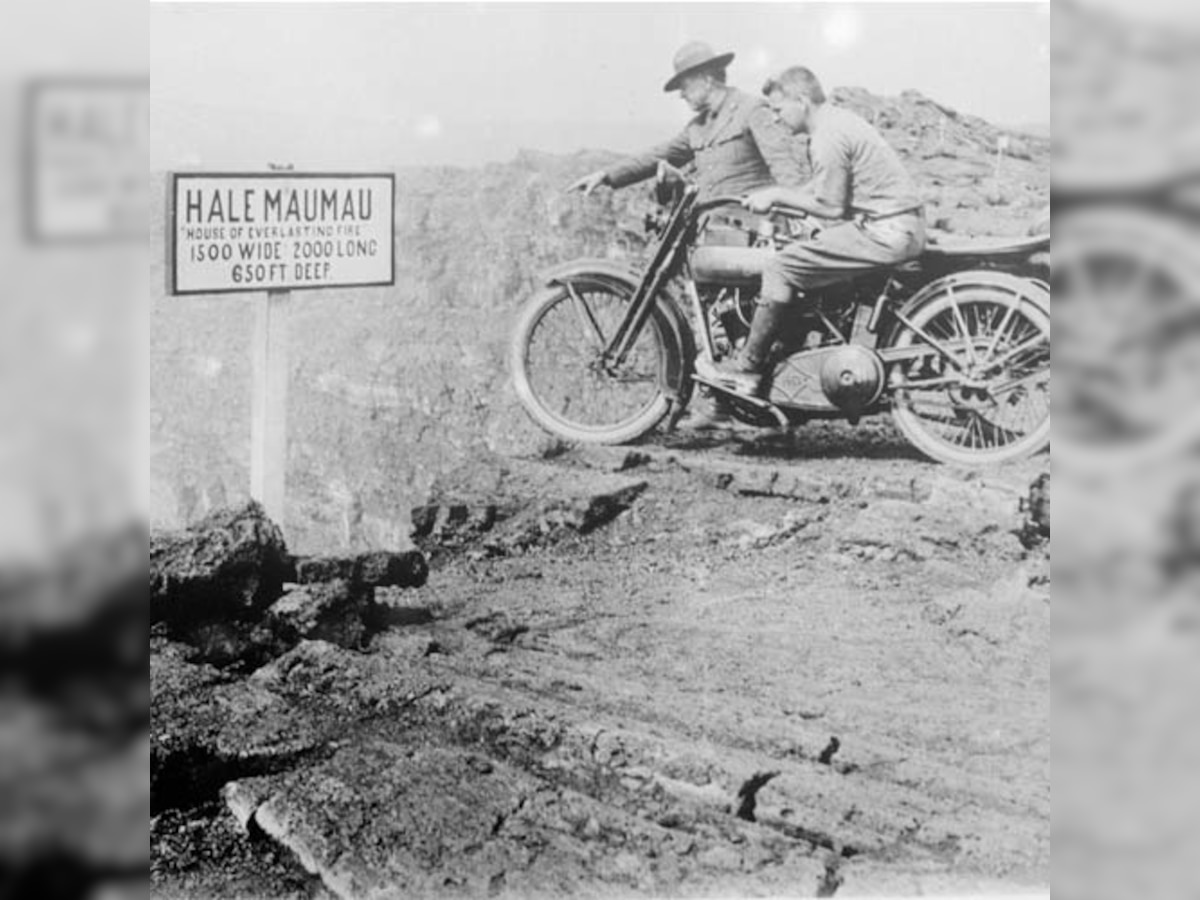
(775, 285)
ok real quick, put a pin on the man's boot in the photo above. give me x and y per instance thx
(743, 374)
(713, 415)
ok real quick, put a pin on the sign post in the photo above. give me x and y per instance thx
(270, 234)
(268, 410)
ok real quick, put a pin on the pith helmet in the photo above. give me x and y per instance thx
(692, 57)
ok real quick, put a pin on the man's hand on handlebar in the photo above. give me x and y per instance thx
(589, 183)
(762, 200)
(775, 200)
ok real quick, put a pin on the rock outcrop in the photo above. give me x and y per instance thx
(74, 732)
(228, 588)
(230, 565)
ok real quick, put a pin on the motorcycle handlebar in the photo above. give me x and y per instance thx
(665, 169)
(715, 202)
(794, 211)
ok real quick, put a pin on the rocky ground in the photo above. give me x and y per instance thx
(729, 668)
(74, 733)
(738, 666)
(389, 387)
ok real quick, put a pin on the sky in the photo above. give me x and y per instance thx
(237, 85)
(88, 37)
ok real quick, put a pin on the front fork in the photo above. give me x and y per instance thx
(700, 316)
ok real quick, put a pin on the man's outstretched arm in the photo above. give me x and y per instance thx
(677, 151)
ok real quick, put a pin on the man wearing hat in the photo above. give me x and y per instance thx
(734, 140)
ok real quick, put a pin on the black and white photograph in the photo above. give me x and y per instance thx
(599, 449)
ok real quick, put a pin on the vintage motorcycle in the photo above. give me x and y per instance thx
(1126, 283)
(955, 344)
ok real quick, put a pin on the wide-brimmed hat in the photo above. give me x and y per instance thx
(693, 57)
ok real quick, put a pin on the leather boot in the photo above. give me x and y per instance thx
(743, 374)
(764, 329)
(711, 416)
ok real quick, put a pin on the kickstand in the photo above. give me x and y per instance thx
(674, 416)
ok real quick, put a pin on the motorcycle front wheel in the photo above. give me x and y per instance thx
(991, 405)
(560, 376)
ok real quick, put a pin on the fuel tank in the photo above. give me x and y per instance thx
(728, 265)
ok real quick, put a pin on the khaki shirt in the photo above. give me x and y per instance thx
(738, 147)
(855, 169)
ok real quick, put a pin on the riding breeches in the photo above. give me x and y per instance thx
(840, 252)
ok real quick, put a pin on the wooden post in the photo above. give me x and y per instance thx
(268, 416)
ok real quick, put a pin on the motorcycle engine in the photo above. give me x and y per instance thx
(846, 377)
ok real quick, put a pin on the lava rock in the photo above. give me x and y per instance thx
(334, 611)
(73, 633)
(230, 565)
(380, 818)
(1035, 530)
(83, 800)
(208, 729)
(316, 569)
(579, 504)
(383, 568)
(235, 643)
(453, 524)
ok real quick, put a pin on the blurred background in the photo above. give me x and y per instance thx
(1126, 401)
(74, 295)
(74, 692)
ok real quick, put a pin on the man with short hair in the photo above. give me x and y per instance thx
(734, 140)
(872, 216)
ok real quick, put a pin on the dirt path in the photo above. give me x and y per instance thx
(868, 637)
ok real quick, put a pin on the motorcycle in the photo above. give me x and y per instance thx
(954, 344)
(1126, 281)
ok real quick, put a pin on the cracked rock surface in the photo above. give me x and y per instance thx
(704, 692)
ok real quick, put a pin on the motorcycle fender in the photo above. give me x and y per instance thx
(564, 272)
(1024, 287)
(670, 318)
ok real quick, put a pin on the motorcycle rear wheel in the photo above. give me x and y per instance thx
(1126, 288)
(1000, 410)
(555, 361)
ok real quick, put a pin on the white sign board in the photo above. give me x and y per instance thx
(87, 149)
(280, 231)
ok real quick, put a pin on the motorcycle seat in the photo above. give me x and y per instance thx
(1000, 246)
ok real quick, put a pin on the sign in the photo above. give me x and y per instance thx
(280, 231)
(87, 151)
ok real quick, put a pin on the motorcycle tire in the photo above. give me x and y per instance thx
(1004, 317)
(554, 358)
(1126, 286)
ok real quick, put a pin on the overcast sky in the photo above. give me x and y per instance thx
(344, 84)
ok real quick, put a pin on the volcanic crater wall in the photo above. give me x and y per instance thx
(392, 389)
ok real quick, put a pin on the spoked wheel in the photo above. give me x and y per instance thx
(559, 373)
(989, 402)
(1127, 361)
